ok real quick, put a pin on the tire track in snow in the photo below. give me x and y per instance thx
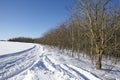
(67, 71)
(79, 76)
(17, 62)
(58, 71)
(87, 75)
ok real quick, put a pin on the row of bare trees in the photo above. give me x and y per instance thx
(93, 27)
(22, 39)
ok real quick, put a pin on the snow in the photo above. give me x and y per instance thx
(38, 62)
(12, 47)
(29, 75)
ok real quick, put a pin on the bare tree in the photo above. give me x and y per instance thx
(101, 23)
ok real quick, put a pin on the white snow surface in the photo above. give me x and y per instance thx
(45, 63)
(12, 47)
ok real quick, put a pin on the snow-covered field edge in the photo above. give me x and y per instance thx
(47, 63)
(55, 64)
(15, 63)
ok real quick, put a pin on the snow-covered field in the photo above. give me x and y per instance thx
(39, 62)
(12, 47)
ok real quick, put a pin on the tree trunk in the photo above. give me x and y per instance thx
(99, 59)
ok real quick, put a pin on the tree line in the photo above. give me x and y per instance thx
(22, 39)
(93, 28)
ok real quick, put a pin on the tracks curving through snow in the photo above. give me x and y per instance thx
(39, 64)
(13, 64)
(66, 71)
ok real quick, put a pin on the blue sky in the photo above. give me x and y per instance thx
(31, 18)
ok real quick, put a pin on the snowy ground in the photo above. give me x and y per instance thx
(43, 63)
(12, 47)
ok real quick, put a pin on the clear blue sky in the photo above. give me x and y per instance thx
(31, 18)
